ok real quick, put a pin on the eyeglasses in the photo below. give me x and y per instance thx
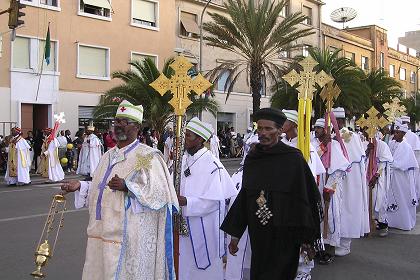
(122, 122)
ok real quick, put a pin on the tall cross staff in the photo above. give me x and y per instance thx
(372, 123)
(307, 80)
(328, 94)
(394, 110)
(180, 85)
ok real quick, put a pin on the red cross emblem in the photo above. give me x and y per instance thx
(122, 109)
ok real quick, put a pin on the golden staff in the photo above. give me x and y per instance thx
(307, 80)
(328, 94)
(180, 85)
(372, 123)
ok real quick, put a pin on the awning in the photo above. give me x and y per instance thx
(98, 3)
(190, 25)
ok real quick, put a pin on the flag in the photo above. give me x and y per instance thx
(47, 51)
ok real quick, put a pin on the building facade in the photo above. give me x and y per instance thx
(90, 39)
(368, 47)
(412, 41)
(237, 109)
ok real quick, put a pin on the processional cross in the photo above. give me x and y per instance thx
(372, 123)
(329, 94)
(394, 110)
(307, 79)
(180, 85)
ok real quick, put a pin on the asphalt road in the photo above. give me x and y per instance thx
(23, 212)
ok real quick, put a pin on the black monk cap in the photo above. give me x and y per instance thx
(271, 114)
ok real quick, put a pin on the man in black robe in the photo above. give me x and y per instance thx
(279, 203)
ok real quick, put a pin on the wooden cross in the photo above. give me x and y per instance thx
(394, 110)
(180, 85)
(372, 123)
(307, 79)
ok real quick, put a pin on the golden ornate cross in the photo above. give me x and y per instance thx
(372, 123)
(180, 85)
(394, 110)
(307, 78)
(330, 93)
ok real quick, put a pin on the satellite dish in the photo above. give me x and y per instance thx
(343, 15)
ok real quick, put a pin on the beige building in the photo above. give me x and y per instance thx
(236, 111)
(93, 38)
(90, 40)
(368, 47)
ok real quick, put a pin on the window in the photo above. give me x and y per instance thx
(382, 60)
(53, 3)
(41, 61)
(140, 57)
(412, 77)
(145, 13)
(95, 8)
(365, 63)
(351, 56)
(189, 26)
(285, 11)
(221, 82)
(93, 62)
(21, 53)
(332, 49)
(308, 13)
(392, 71)
(47, 4)
(284, 54)
(305, 50)
(402, 74)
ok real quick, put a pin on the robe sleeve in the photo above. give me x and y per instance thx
(199, 207)
(81, 196)
(236, 220)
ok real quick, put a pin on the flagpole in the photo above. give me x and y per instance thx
(42, 65)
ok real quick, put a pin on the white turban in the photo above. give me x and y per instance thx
(202, 129)
(339, 113)
(130, 111)
(320, 123)
(401, 127)
(291, 115)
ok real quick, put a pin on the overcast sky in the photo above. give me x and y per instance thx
(395, 16)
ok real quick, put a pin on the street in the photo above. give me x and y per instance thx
(24, 210)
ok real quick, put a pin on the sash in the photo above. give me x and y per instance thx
(103, 183)
(199, 243)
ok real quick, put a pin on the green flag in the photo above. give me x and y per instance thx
(47, 47)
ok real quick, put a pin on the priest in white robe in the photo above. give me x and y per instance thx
(50, 166)
(317, 169)
(90, 154)
(330, 186)
(402, 197)
(414, 142)
(18, 160)
(355, 207)
(380, 183)
(168, 150)
(131, 200)
(205, 185)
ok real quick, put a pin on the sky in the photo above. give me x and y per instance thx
(395, 16)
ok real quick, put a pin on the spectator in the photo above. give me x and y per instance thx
(154, 139)
(30, 139)
(109, 140)
(68, 137)
(62, 140)
(38, 141)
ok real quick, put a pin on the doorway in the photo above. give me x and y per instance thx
(33, 117)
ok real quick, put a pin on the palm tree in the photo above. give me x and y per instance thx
(256, 36)
(413, 110)
(382, 88)
(137, 90)
(354, 94)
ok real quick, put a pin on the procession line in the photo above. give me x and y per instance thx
(38, 215)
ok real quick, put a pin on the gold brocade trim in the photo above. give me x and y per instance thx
(104, 240)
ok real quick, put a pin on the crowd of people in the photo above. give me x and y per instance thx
(276, 216)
